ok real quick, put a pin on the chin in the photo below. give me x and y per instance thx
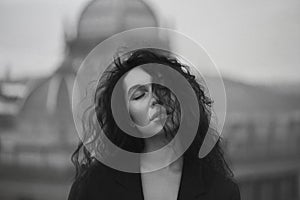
(150, 130)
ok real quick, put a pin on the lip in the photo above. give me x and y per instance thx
(157, 115)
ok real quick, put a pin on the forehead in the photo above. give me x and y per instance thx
(136, 76)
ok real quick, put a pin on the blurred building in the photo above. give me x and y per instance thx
(11, 94)
(45, 116)
(36, 152)
(102, 18)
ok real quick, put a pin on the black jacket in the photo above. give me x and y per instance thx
(197, 182)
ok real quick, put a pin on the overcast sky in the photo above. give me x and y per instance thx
(254, 41)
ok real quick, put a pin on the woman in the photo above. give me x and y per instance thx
(139, 114)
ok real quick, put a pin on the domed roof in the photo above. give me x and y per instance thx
(44, 92)
(103, 18)
(48, 104)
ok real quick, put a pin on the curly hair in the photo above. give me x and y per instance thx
(82, 158)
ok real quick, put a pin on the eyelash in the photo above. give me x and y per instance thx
(138, 97)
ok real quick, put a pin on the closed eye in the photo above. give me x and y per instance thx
(138, 97)
(140, 92)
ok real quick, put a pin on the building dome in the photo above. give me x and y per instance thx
(103, 18)
(45, 134)
(47, 108)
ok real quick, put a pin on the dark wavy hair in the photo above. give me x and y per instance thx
(82, 158)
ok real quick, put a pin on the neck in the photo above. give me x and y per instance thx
(161, 155)
(154, 143)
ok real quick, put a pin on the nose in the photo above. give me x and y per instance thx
(153, 100)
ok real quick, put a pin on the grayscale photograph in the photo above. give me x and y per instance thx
(149, 100)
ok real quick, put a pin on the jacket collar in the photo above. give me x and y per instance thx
(191, 184)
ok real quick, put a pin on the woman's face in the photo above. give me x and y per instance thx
(148, 116)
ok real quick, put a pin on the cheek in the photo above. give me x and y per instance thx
(139, 113)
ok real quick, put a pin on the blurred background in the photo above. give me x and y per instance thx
(255, 44)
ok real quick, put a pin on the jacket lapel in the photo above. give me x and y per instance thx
(129, 182)
(192, 183)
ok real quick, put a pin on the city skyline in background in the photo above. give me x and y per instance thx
(256, 42)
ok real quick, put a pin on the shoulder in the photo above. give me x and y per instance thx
(220, 186)
(90, 183)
